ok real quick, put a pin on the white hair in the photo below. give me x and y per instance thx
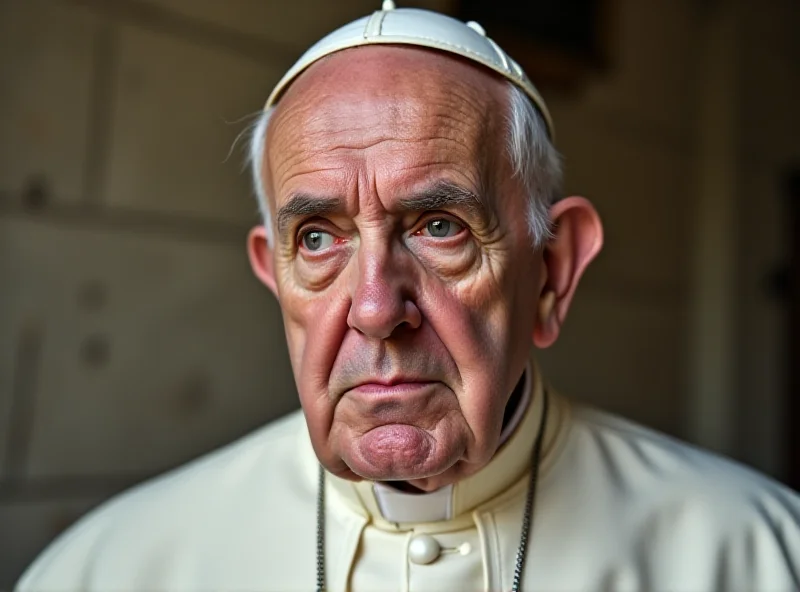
(534, 160)
(532, 155)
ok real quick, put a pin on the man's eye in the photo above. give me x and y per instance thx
(442, 228)
(317, 240)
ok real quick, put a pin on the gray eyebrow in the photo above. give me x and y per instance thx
(303, 204)
(443, 194)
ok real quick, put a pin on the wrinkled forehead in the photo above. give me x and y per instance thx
(364, 96)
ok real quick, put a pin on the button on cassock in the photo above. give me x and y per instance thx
(423, 549)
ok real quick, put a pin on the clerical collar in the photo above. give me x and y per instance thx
(393, 509)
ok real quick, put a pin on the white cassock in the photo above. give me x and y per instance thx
(618, 507)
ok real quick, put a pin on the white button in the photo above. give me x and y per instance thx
(423, 549)
(477, 28)
(388, 5)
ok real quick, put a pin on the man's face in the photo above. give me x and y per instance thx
(401, 260)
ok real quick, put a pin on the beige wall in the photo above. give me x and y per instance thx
(133, 338)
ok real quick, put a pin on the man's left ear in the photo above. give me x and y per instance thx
(260, 254)
(578, 238)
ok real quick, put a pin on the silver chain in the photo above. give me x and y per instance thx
(527, 517)
(321, 531)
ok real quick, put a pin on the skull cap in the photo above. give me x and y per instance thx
(423, 28)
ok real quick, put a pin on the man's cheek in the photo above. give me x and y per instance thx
(472, 321)
(489, 303)
(296, 343)
(317, 328)
(305, 311)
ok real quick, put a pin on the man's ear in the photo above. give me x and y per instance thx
(260, 254)
(578, 238)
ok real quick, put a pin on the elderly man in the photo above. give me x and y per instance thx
(407, 178)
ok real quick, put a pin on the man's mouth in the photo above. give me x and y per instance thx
(391, 387)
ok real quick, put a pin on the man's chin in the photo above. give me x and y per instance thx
(398, 452)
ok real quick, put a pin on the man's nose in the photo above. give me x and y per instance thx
(382, 299)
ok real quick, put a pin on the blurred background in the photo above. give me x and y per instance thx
(133, 337)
